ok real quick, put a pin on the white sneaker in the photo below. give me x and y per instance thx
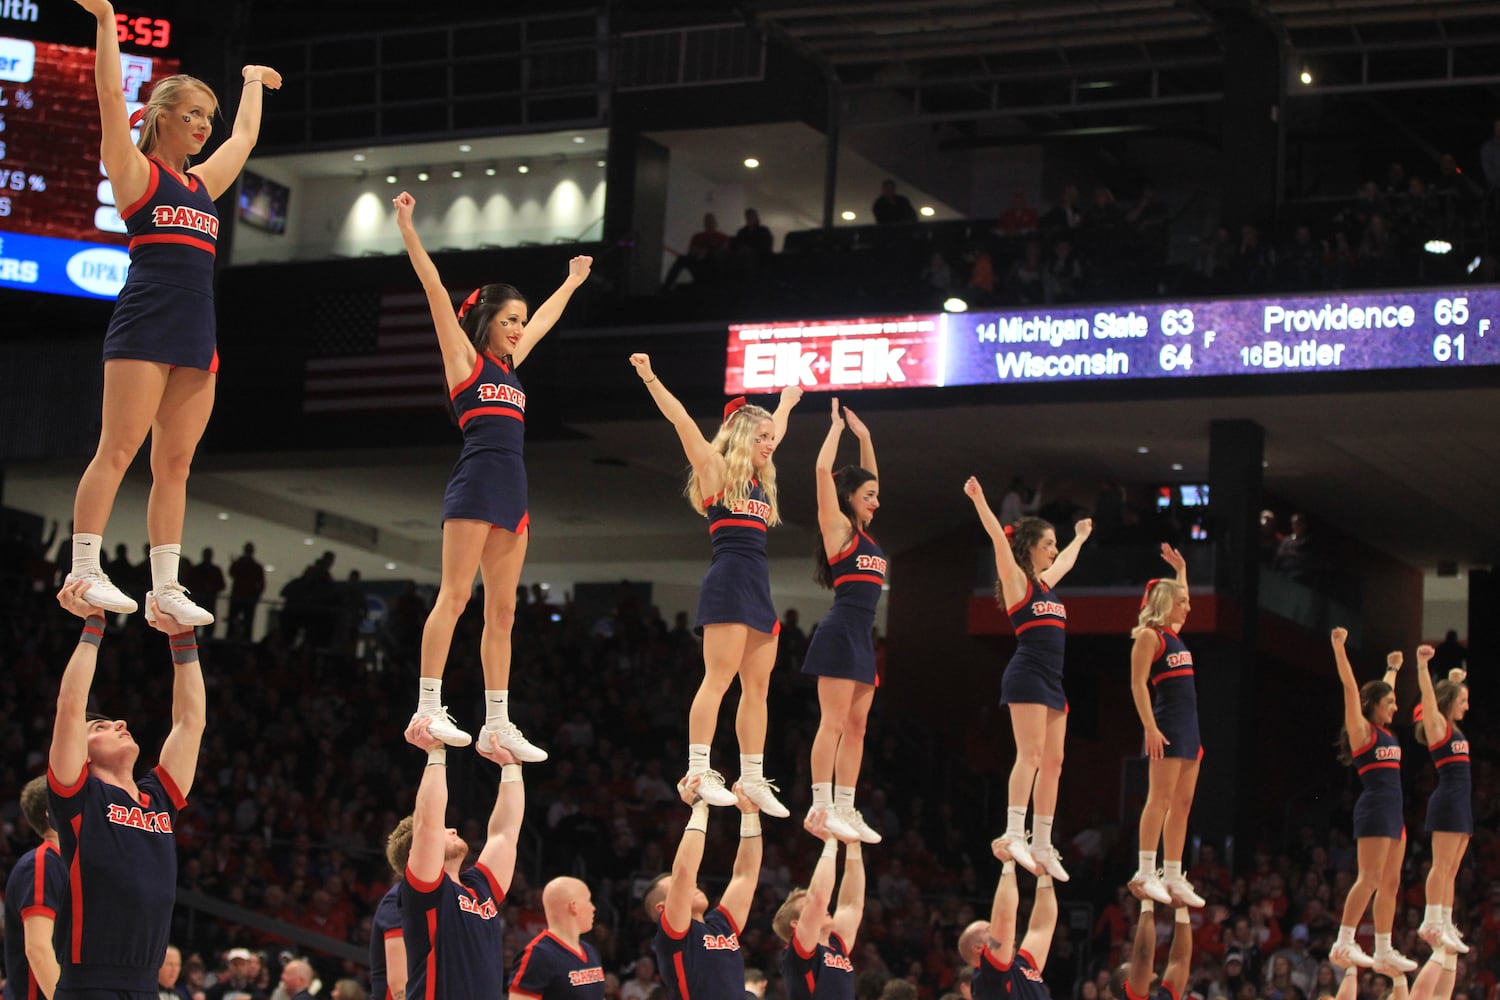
(172, 599)
(864, 831)
(103, 594)
(1392, 962)
(1453, 941)
(443, 726)
(1147, 885)
(1181, 891)
(835, 823)
(1349, 955)
(762, 792)
(508, 737)
(1432, 933)
(1050, 861)
(711, 789)
(1008, 848)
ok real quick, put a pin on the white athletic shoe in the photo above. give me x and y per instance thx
(1046, 855)
(1392, 962)
(711, 789)
(443, 726)
(1008, 848)
(855, 820)
(103, 594)
(1181, 891)
(1453, 941)
(508, 737)
(172, 599)
(1349, 955)
(1432, 932)
(1148, 885)
(762, 792)
(835, 823)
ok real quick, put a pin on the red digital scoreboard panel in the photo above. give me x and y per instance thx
(60, 231)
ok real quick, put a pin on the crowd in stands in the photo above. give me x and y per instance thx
(304, 772)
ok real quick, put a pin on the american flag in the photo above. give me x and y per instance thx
(372, 350)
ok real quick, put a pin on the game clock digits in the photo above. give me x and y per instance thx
(60, 230)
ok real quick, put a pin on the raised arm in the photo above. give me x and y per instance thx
(1053, 574)
(833, 523)
(1432, 716)
(458, 352)
(790, 397)
(127, 167)
(1180, 961)
(1174, 559)
(1142, 955)
(1142, 652)
(179, 752)
(1012, 577)
(740, 892)
(429, 834)
(677, 914)
(851, 906)
(1002, 933)
(1354, 720)
(503, 832)
(219, 171)
(1042, 926)
(708, 464)
(819, 893)
(866, 445)
(548, 313)
(70, 733)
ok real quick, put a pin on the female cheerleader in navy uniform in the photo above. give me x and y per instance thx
(1450, 808)
(1161, 681)
(484, 509)
(733, 484)
(1379, 832)
(1027, 567)
(160, 363)
(842, 651)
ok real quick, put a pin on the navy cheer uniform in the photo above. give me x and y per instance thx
(737, 587)
(843, 645)
(488, 483)
(1377, 811)
(122, 880)
(1020, 980)
(1450, 808)
(704, 962)
(37, 887)
(165, 312)
(1160, 991)
(825, 973)
(1034, 674)
(455, 944)
(551, 970)
(384, 925)
(1174, 696)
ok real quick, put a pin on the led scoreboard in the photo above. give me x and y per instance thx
(1261, 336)
(60, 230)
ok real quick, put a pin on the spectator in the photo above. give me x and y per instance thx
(752, 245)
(1023, 283)
(247, 582)
(1064, 274)
(891, 207)
(642, 980)
(167, 987)
(236, 983)
(1066, 216)
(349, 989)
(206, 582)
(705, 252)
(755, 984)
(296, 977)
(1020, 218)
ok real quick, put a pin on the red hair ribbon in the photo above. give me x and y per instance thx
(1010, 531)
(1416, 713)
(137, 116)
(1147, 594)
(469, 302)
(732, 407)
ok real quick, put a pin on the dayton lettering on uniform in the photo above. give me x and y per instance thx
(721, 942)
(1183, 659)
(836, 961)
(582, 977)
(873, 563)
(1031, 974)
(754, 508)
(1461, 747)
(181, 217)
(1048, 608)
(486, 909)
(491, 391)
(138, 819)
(1387, 753)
